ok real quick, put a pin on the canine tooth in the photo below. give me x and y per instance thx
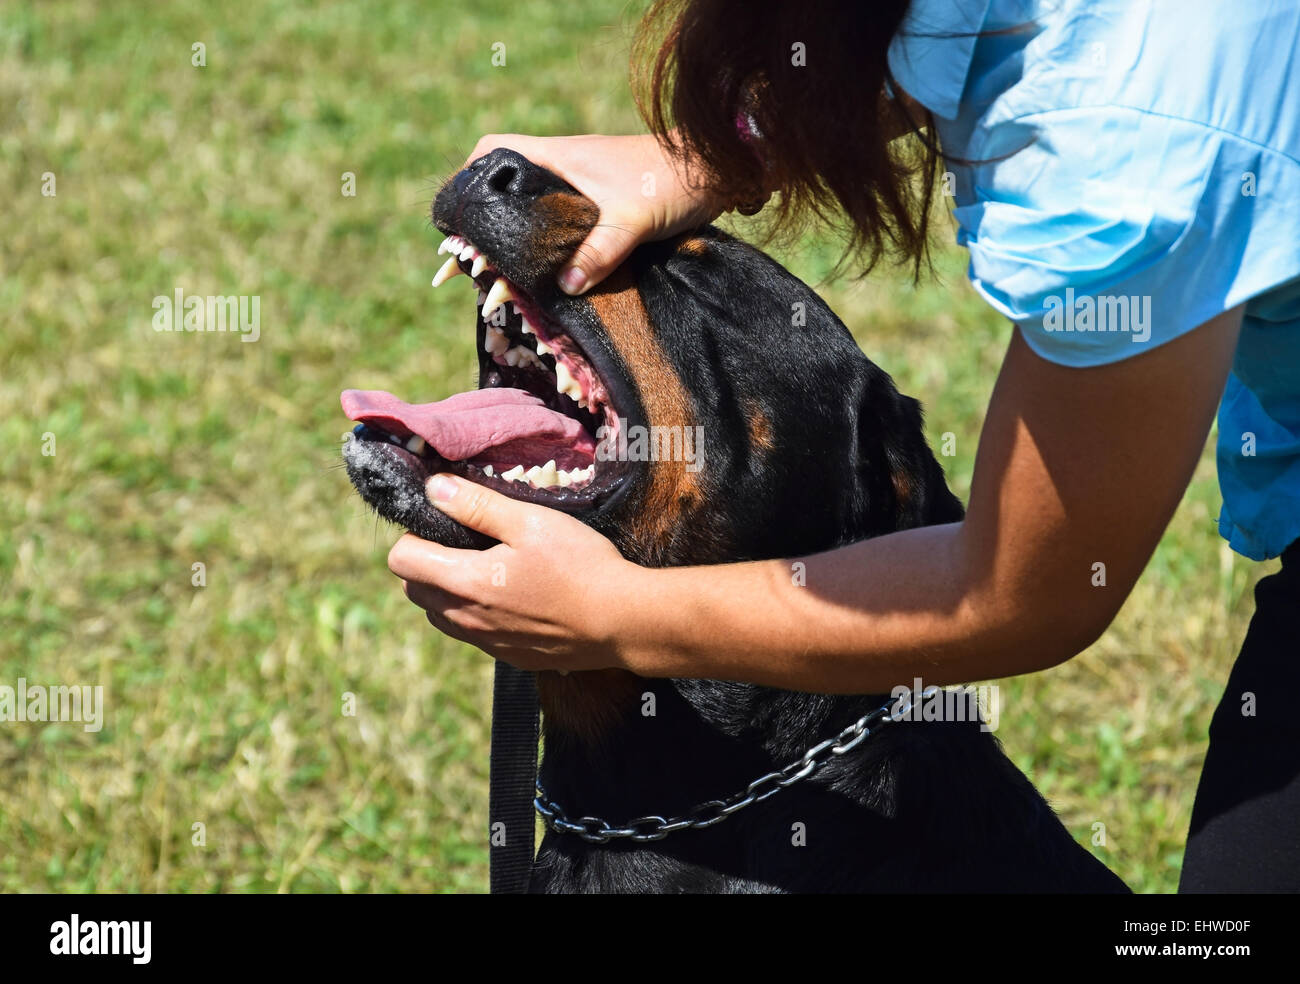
(497, 295)
(415, 444)
(565, 383)
(480, 264)
(448, 270)
(487, 470)
(542, 347)
(514, 474)
(525, 356)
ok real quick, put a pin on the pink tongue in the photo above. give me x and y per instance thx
(467, 424)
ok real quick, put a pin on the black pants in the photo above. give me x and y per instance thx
(1245, 830)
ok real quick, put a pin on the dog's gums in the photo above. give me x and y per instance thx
(532, 428)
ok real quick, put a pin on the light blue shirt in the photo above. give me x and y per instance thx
(1133, 171)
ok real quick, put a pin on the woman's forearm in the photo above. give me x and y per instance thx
(860, 619)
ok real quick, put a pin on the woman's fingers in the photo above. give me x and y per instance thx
(604, 249)
(413, 559)
(534, 148)
(427, 596)
(479, 508)
(642, 193)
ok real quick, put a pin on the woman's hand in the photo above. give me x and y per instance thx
(543, 598)
(643, 194)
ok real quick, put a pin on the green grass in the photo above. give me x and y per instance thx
(224, 701)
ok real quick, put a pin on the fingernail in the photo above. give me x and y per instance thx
(442, 488)
(573, 280)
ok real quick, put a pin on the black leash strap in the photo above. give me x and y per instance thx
(512, 774)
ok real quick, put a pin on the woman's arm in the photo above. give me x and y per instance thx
(1075, 467)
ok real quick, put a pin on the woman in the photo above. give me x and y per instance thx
(1126, 177)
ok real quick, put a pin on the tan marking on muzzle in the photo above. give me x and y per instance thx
(588, 703)
(562, 221)
(758, 426)
(673, 490)
(693, 246)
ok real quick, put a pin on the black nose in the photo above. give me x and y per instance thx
(503, 173)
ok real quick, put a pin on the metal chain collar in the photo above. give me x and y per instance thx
(652, 828)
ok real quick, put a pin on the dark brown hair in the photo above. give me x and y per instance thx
(789, 97)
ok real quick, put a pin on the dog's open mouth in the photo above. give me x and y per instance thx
(533, 429)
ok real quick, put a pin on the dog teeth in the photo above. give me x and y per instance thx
(448, 270)
(415, 444)
(497, 344)
(521, 355)
(551, 476)
(565, 383)
(487, 470)
(497, 295)
(546, 476)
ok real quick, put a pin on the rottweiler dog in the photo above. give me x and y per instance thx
(702, 406)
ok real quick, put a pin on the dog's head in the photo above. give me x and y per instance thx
(701, 405)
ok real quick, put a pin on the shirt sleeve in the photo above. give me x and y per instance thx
(1107, 231)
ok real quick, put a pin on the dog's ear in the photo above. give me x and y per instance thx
(904, 482)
